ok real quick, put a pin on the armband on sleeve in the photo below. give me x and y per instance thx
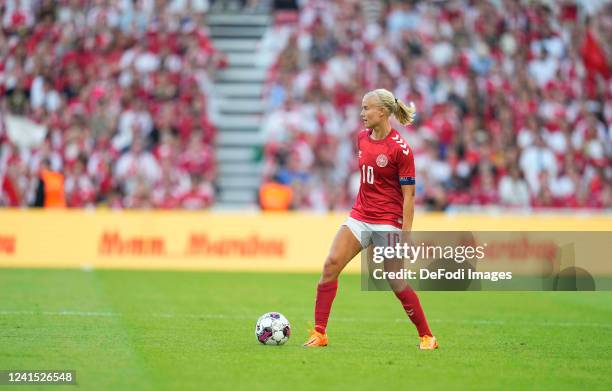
(406, 180)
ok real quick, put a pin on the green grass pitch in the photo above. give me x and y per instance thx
(161, 330)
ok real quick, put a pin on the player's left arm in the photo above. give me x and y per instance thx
(407, 182)
(408, 207)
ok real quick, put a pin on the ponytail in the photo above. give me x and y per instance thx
(402, 112)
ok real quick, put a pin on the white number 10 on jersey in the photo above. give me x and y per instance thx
(367, 175)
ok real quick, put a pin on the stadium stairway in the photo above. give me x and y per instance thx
(239, 107)
(372, 10)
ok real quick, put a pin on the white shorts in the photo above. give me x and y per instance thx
(368, 233)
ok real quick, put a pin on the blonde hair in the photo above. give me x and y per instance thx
(402, 112)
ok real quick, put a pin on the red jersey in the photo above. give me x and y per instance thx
(385, 166)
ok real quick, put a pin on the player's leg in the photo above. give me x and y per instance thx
(406, 295)
(344, 248)
(412, 305)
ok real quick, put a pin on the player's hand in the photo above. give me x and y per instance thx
(406, 238)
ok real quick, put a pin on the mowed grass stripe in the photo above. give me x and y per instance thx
(484, 322)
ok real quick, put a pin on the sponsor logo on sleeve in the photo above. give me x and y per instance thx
(401, 143)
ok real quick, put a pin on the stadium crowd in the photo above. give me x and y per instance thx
(514, 100)
(122, 88)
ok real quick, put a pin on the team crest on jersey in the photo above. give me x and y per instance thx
(381, 160)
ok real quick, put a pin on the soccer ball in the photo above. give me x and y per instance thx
(272, 329)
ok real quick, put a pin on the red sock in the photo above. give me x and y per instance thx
(412, 305)
(326, 293)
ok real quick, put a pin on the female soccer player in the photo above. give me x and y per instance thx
(385, 203)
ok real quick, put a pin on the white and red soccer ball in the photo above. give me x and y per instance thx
(272, 328)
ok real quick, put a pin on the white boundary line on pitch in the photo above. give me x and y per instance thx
(333, 319)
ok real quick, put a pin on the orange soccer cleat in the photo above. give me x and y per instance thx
(316, 339)
(428, 342)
